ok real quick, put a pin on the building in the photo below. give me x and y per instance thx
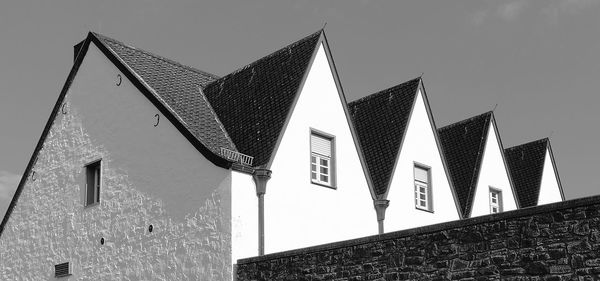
(149, 169)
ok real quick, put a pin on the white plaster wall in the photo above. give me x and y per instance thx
(492, 173)
(244, 221)
(549, 190)
(297, 212)
(419, 146)
(150, 175)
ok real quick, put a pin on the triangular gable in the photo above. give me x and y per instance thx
(463, 144)
(526, 164)
(380, 121)
(254, 102)
(146, 60)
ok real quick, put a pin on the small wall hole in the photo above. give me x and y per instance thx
(119, 79)
(102, 241)
(150, 228)
(62, 108)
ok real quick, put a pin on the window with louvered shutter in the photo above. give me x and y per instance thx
(62, 269)
(321, 159)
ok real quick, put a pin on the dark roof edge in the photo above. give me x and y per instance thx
(81, 54)
(466, 120)
(147, 91)
(475, 177)
(373, 95)
(349, 121)
(439, 147)
(399, 148)
(560, 188)
(506, 168)
(526, 143)
(296, 95)
(262, 58)
(159, 57)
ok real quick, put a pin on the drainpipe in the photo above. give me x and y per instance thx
(260, 177)
(380, 206)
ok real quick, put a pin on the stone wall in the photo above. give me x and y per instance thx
(559, 241)
(50, 225)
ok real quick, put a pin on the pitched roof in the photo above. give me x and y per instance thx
(526, 165)
(463, 144)
(178, 87)
(253, 102)
(380, 121)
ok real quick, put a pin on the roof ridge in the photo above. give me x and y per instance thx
(170, 61)
(381, 92)
(276, 52)
(461, 122)
(545, 140)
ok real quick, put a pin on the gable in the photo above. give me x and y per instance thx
(527, 164)
(420, 148)
(463, 144)
(380, 121)
(493, 174)
(254, 102)
(550, 187)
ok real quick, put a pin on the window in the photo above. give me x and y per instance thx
(423, 188)
(93, 180)
(495, 201)
(322, 159)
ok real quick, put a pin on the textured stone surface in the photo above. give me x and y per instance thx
(551, 242)
(49, 224)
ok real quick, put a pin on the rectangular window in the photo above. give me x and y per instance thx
(321, 159)
(495, 201)
(93, 181)
(423, 188)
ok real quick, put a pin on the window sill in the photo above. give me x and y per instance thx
(325, 185)
(91, 205)
(424, 210)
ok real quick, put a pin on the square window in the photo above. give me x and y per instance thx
(321, 159)
(93, 181)
(423, 188)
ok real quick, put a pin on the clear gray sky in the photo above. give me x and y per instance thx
(539, 60)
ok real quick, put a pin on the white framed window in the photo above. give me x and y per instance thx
(93, 180)
(423, 188)
(495, 200)
(322, 160)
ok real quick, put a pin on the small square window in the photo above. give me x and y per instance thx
(321, 159)
(93, 181)
(495, 200)
(423, 188)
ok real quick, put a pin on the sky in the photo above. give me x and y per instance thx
(536, 62)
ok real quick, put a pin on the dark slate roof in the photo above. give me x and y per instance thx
(254, 101)
(380, 121)
(526, 165)
(178, 87)
(463, 144)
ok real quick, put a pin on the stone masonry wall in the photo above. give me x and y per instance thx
(553, 242)
(49, 224)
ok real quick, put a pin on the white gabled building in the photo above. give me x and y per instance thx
(477, 166)
(407, 171)
(534, 173)
(151, 170)
(166, 172)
